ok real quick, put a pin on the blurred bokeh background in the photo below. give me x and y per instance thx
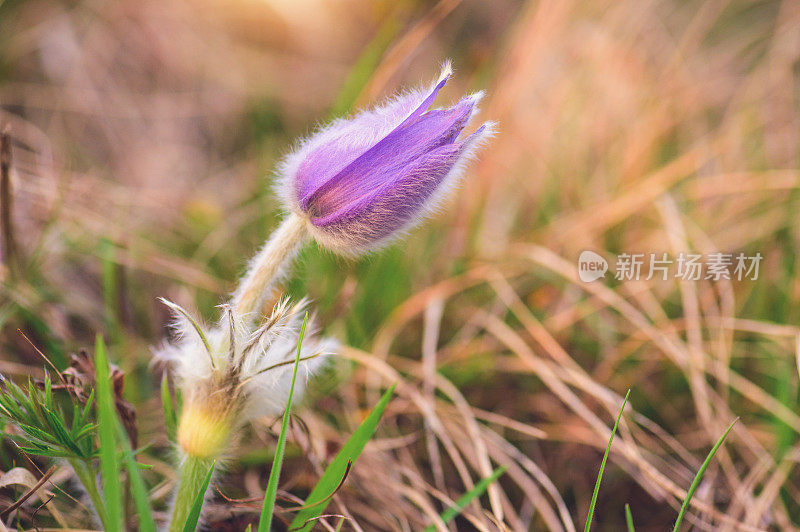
(144, 138)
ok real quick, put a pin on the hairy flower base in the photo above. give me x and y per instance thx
(235, 371)
(228, 374)
(205, 428)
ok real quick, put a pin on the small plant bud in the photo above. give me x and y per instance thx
(360, 182)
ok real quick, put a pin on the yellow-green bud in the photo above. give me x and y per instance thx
(205, 429)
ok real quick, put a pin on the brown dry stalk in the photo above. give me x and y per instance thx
(31, 491)
(6, 202)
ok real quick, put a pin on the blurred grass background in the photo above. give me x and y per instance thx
(144, 137)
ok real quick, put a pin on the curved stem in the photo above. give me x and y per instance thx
(269, 265)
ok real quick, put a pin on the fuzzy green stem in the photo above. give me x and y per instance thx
(191, 479)
(269, 265)
(84, 472)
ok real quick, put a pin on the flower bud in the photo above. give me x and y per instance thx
(362, 181)
(235, 371)
(204, 429)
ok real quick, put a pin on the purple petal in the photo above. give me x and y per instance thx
(426, 103)
(418, 135)
(346, 140)
(398, 202)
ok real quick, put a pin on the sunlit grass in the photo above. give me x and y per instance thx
(142, 168)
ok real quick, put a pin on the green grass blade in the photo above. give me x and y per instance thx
(699, 476)
(267, 509)
(85, 434)
(138, 489)
(48, 390)
(107, 420)
(35, 432)
(462, 502)
(84, 416)
(35, 402)
(47, 452)
(333, 474)
(197, 506)
(11, 407)
(170, 416)
(109, 282)
(603, 466)
(629, 518)
(59, 430)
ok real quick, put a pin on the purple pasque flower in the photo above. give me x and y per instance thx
(360, 181)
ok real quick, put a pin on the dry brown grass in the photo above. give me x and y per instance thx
(143, 130)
